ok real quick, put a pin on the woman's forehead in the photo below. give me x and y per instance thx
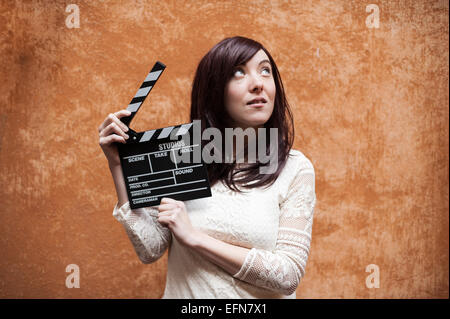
(259, 57)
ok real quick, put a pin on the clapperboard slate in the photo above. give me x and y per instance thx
(151, 162)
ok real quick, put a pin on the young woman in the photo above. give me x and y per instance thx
(251, 239)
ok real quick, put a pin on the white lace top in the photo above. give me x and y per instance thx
(274, 223)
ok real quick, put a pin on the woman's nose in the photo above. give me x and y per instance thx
(256, 84)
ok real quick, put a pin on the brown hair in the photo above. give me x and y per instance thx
(207, 104)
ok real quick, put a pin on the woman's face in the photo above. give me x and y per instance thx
(250, 93)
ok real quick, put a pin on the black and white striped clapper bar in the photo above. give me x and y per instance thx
(154, 162)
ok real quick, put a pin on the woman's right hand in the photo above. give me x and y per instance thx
(110, 131)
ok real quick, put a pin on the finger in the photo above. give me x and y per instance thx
(165, 220)
(113, 118)
(122, 113)
(165, 214)
(110, 139)
(168, 200)
(116, 120)
(176, 203)
(166, 207)
(106, 122)
(113, 128)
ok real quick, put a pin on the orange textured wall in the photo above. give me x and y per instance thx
(371, 108)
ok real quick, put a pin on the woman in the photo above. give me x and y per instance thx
(250, 239)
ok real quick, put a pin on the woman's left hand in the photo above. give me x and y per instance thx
(172, 214)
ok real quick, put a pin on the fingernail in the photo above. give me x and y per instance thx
(126, 136)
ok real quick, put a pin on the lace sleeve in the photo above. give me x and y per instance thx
(149, 238)
(282, 269)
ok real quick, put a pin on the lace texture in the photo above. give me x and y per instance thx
(149, 238)
(275, 224)
(282, 269)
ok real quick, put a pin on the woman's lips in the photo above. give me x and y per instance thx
(257, 102)
(256, 105)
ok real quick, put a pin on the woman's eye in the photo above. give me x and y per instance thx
(238, 72)
(266, 71)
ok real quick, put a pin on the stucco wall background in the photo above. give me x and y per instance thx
(371, 109)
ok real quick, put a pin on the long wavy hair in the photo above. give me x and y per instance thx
(207, 104)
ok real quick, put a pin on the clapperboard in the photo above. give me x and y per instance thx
(154, 162)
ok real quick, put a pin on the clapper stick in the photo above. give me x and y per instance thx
(152, 161)
(142, 94)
